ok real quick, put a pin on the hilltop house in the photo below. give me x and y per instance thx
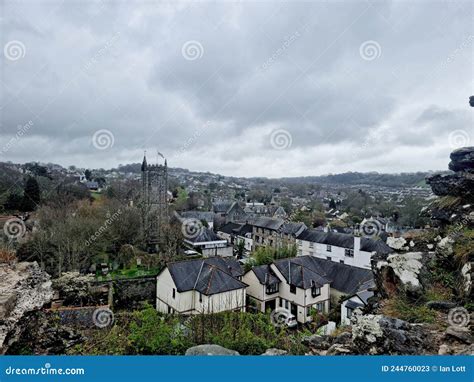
(293, 284)
(201, 286)
(340, 247)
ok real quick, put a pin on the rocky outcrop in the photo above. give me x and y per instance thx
(273, 352)
(378, 334)
(456, 190)
(459, 184)
(210, 350)
(24, 288)
(39, 333)
(402, 273)
(462, 159)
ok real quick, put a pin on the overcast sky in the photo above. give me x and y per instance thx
(238, 88)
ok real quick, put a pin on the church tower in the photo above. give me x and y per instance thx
(154, 202)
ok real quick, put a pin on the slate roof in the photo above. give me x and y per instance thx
(222, 206)
(292, 228)
(200, 215)
(205, 235)
(344, 240)
(236, 228)
(342, 277)
(268, 223)
(228, 264)
(265, 275)
(298, 272)
(230, 228)
(205, 276)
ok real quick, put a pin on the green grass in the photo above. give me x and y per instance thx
(399, 307)
(129, 273)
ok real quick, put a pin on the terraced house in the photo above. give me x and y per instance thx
(340, 247)
(275, 232)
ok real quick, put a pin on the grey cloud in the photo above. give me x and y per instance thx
(293, 66)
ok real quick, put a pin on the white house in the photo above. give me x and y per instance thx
(293, 284)
(312, 283)
(340, 247)
(201, 286)
(357, 300)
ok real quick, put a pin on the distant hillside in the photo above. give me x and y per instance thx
(371, 178)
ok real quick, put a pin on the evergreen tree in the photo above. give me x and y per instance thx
(13, 202)
(31, 195)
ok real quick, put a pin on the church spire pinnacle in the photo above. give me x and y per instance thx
(144, 164)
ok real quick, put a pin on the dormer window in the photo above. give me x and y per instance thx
(315, 291)
(272, 288)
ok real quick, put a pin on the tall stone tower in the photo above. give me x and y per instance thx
(154, 202)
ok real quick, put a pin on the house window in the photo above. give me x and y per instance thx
(311, 253)
(320, 307)
(311, 244)
(341, 261)
(315, 291)
(300, 243)
(286, 304)
(281, 303)
(174, 293)
(170, 310)
(328, 248)
(300, 252)
(349, 252)
(272, 288)
(328, 258)
(200, 297)
(293, 289)
(308, 311)
(349, 312)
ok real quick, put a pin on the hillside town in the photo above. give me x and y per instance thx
(95, 247)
